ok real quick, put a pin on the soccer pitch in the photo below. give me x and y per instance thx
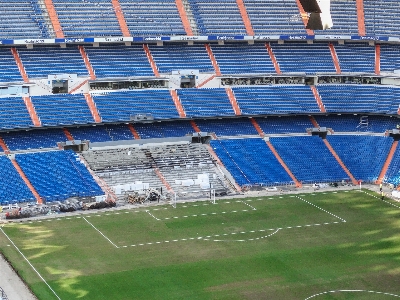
(325, 245)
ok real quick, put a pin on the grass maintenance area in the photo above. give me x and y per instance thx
(324, 245)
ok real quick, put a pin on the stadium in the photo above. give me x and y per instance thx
(198, 149)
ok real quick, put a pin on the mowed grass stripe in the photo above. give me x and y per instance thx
(128, 229)
(291, 264)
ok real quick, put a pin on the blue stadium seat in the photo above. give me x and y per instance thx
(58, 175)
(12, 187)
(309, 159)
(250, 162)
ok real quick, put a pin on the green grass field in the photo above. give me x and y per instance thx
(278, 247)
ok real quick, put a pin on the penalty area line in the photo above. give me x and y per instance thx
(253, 208)
(351, 291)
(100, 233)
(34, 269)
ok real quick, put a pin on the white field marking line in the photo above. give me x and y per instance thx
(253, 208)
(381, 199)
(100, 233)
(209, 214)
(343, 220)
(34, 269)
(211, 237)
(152, 215)
(345, 291)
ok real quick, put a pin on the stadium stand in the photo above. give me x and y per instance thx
(121, 106)
(152, 17)
(87, 18)
(344, 17)
(175, 57)
(223, 18)
(359, 98)
(313, 163)
(227, 127)
(12, 187)
(58, 175)
(284, 124)
(205, 102)
(390, 58)
(142, 165)
(382, 17)
(33, 139)
(304, 58)
(96, 133)
(270, 17)
(356, 58)
(13, 113)
(9, 71)
(393, 172)
(40, 62)
(282, 99)
(363, 155)
(357, 123)
(113, 61)
(250, 161)
(243, 59)
(62, 109)
(22, 19)
(164, 129)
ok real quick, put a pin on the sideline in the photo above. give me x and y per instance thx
(34, 269)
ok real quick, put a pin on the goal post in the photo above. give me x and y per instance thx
(211, 197)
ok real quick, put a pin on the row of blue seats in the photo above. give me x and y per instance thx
(113, 61)
(228, 127)
(122, 106)
(58, 175)
(162, 18)
(251, 162)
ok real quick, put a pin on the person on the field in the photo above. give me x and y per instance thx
(382, 195)
(380, 187)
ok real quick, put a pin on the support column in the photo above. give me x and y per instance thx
(314, 122)
(318, 98)
(163, 180)
(257, 127)
(194, 125)
(328, 145)
(32, 112)
(134, 132)
(360, 17)
(377, 59)
(273, 58)
(213, 60)
(4, 146)
(184, 17)
(278, 157)
(178, 103)
(88, 65)
(387, 162)
(54, 18)
(121, 18)
(245, 17)
(304, 17)
(20, 65)
(151, 60)
(335, 58)
(68, 134)
(92, 107)
(27, 182)
(233, 101)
